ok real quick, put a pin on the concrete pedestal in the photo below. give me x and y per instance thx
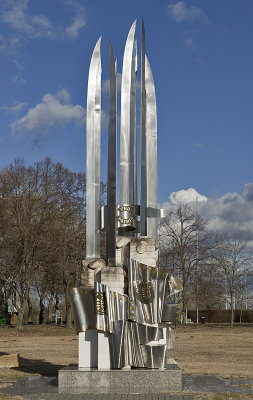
(74, 380)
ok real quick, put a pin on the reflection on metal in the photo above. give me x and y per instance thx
(145, 292)
(175, 285)
(111, 166)
(171, 312)
(82, 301)
(141, 342)
(154, 356)
(127, 142)
(93, 144)
(143, 177)
(151, 150)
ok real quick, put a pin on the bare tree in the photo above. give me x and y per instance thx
(234, 259)
(185, 248)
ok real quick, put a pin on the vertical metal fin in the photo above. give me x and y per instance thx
(143, 177)
(111, 167)
(93, 147)
(133, 120)
(151, 153)
(126, 182)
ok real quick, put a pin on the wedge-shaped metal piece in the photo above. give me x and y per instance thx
(112, 167)
(93, 148)
(151, 151)
(127, 180)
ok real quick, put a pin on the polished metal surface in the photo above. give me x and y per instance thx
(82, 301)
(120, 344)
(151, 150)
(143, 137)
(111, 166)
(126, 181)
(154, 356)
(93, 145)
(175, 285)
(171, 312)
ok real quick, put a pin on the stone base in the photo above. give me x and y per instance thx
(74, 380)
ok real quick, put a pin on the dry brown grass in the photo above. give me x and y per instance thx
(202, 349)
(215, 349)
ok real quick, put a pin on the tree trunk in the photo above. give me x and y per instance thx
(30, 310)
(232, 311)
(48, 312)
(68, 309)
(21, 312)
(42, 310)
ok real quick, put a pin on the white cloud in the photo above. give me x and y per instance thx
(16, 108)
(186, 196)
(16, 14)
(230, 213)
(180, 11)
(9, 44)
(54, 111)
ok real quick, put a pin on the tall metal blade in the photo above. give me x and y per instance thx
(133, 119)
(143, 177)
(151, 152)
(126, 182)
(93, 147)
(111, 168)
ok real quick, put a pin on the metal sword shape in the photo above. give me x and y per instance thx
(143, 224)
(127, 140)
(112, 159)
(151, 153)
(93, 145)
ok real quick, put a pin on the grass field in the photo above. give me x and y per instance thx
(199, 349)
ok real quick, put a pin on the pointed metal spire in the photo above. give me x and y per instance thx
(151, 153)
(111, 167)
(93, 148)
(143, 176)
(127, 128)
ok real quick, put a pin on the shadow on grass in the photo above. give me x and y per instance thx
(36, 366)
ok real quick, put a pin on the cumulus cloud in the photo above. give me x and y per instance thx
(16, 14)
(180, 11)
(54, 111)
(230, 213)
(186, 196)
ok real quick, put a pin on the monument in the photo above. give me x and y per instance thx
(123, 310)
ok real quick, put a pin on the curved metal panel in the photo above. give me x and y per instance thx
(82, 302)
(126, 183)
(93, 145)
(111, 166)
(151, 149)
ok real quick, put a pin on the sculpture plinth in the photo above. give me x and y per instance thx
(123, 310)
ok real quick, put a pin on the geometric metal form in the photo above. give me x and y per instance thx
(112, 160)
(143, 172)
(127, 135)
(93, 145)
(151, 152)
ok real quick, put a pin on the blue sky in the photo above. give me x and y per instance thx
(202, 61)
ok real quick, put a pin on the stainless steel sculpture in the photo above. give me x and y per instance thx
(125, 299)
(93, 144)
